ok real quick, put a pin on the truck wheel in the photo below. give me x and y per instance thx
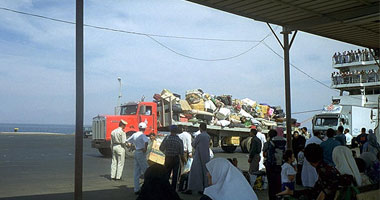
(229, 149)
(106, 152)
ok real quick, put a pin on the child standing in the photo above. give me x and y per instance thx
(288, 172)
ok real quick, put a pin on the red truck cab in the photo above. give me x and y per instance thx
(133, 113)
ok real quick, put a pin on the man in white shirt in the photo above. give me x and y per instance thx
(140, 141)
(263, 139)
(348, 137)
(118, 139)
(186, 139)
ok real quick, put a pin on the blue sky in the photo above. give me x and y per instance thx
(37, 58)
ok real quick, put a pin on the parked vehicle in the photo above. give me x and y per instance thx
(87, 131)
(352, 117)
(133, 113)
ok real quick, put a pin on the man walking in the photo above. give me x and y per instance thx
(198, 173)
(118, 139)
(254, 156)
(141, 143)
(172, 147)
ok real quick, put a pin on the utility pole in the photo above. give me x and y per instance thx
(286, 47)
(79, 101)
(286, 32)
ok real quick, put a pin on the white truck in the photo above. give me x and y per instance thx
(349, 116)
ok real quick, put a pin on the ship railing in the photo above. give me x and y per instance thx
(355, 78)
(354, 56)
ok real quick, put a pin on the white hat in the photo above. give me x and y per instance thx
(142, 125)
(124, 122)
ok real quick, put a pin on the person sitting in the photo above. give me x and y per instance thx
(288, 172)
(226, 182)
(329, 178)
(345, 163)
(156, 185)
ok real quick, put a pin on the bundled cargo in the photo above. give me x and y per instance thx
(223, 110)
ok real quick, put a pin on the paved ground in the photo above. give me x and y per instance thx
(41, 166)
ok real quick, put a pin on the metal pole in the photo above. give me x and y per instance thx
(118, 106)
(79, 102)
(285, 32)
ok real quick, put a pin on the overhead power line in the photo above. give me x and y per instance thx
(130, 32)
(298, 69)
(307, 111)
(151, 36)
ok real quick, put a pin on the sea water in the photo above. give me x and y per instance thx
(47, 128)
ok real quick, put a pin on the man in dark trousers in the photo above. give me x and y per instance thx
(273, 151)
(172, 147)
(254, 156)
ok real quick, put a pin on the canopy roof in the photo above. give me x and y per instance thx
(352, 21)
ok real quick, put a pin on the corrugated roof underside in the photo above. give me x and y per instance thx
(352, 21)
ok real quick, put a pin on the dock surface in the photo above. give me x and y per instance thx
(39, 166)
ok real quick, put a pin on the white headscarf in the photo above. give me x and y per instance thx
(345, 163)
(227, 182)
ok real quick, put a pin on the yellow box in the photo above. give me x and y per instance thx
(234, 140)
(155, 155)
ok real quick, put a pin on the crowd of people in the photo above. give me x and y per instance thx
(363, 76)
(322, 164)
(354, 56)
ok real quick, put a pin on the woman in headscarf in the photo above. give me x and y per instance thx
(373, 145)
(226, 182)
(345, 163)
(156, 185)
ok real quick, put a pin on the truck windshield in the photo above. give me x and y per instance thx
(326, 122)
(128, 110)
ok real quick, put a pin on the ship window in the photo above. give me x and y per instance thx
(128, 110)
(326, 122)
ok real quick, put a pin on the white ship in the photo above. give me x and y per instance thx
(357, 76)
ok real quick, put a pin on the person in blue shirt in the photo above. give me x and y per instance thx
(340, 137)
(328, 146)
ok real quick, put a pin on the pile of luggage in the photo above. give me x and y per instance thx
(222, 110)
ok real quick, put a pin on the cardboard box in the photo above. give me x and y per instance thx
(154, 154)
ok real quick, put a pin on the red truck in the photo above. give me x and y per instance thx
(133, 113)
(159, 116)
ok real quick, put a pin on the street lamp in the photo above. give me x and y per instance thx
(119, 97)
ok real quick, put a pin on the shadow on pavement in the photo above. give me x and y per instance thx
(106, 176)
(122, 193)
